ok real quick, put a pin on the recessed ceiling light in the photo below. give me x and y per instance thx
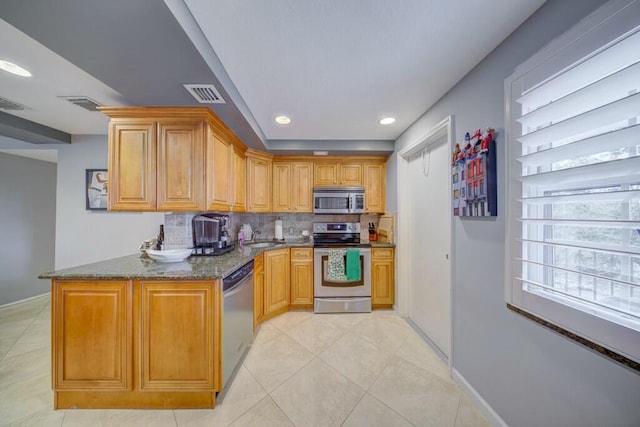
(386, 121)
(283, 120)
(12, 68)
(320, 153)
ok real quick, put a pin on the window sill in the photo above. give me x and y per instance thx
(628, 363)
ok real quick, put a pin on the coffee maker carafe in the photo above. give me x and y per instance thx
(211, 234)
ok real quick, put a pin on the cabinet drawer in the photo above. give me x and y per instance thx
(382, 253)
(298, 253)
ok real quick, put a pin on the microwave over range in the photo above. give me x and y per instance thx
(338, 200)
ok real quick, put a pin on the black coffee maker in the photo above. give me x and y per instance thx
(211, 234)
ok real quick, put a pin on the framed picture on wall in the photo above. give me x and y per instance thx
(96, 189)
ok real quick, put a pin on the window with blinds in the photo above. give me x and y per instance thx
(574, 170)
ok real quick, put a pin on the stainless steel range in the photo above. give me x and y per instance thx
(337, 247)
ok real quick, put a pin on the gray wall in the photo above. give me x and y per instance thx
(27, 226)
(529, 375)
(88, 236)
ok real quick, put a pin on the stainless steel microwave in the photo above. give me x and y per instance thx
(338, 200)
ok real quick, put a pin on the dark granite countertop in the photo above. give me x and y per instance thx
(139, 266)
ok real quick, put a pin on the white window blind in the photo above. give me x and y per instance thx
(573, 117)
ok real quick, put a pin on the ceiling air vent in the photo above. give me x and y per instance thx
(6, 104)
(82, 101)
(205, 94)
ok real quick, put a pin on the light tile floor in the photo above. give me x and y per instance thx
(346, 370)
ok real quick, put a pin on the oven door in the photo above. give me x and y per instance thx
(324, 287)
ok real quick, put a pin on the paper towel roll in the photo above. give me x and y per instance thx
(279, 230)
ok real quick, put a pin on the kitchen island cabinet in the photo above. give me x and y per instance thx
(136, 343)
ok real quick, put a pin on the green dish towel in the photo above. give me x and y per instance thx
(353, 264)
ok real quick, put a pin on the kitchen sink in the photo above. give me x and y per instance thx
(262, 244)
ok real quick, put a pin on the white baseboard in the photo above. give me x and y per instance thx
(491, 415)
(22, 301)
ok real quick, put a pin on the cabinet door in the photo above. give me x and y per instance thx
(351, 175)
(92, 335)
(382, 278)
(132, 165)
(302, 187)
(259, 185)
(302, 277)
(282, 187)
(325, 175)
(177, 335)
(258, 290)
(180, 166)
(374, 187)
(219, 178)
(276, 281)
(239, 182)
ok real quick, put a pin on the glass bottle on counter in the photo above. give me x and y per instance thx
(160, 241)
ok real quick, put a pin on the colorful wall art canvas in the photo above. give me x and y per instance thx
(474, 176)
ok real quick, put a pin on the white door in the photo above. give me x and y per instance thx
(429, 232)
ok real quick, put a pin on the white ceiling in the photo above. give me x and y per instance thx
(334, 66)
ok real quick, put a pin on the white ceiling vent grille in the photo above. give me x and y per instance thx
(205, 94)
(7, 104)
(83, 101)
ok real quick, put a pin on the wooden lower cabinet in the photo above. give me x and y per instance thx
(382, 278)
(258, 290)
(136, 344)
(176, 335)
(276, 282)
(92, 335)
(301, 278)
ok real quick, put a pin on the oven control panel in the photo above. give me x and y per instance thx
(336, 227)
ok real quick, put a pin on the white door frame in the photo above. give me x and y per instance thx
(436, 133)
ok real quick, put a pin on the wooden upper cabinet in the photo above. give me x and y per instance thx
(132, 165)
(180, 173)
(351, 174)
(282, 188)
(338, 174)
(374, 186)
(239, 181)
(219, 176)
(92, 335)
(258, 182)
(325, 175)
(292, 187)
(176, 159)
(302, 186)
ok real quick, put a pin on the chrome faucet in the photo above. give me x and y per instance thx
(256, 231)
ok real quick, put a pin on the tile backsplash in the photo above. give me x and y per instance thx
(178, 230)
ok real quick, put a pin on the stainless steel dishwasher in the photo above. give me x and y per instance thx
(237, 319)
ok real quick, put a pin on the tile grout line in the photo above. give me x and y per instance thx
(354, 408)
(33, 319)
